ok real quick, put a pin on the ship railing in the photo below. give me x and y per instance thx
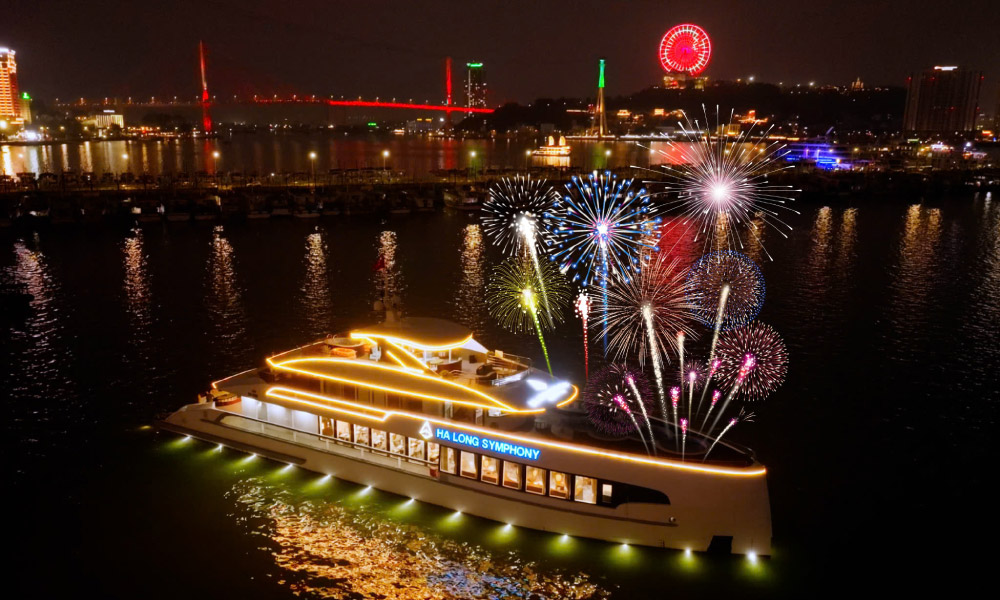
(316, 440)
(509, 367)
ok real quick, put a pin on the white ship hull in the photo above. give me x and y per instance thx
(703, 505)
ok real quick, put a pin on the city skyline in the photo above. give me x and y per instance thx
(533, 51)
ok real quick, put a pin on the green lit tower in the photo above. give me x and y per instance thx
(600, 118)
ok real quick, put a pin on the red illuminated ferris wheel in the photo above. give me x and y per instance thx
(685, 49)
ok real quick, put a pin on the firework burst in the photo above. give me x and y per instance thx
(598, 228)
(722, 185)
(644, 315)
(513, 212)
(726, 289)
(770, 356)
(514, 297)
(617, 400)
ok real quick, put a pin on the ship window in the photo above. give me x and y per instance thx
(350, 392)
(606, 493)
(585, 489)
(469, 465)
(534, 480)
(397, 443)
(344, 430)
(378, 439)
(416, 449)
(361, 435)
(326, 426)
(511, 475)
(433, 452)
(558, 484)
(448, 460)
(490, 470)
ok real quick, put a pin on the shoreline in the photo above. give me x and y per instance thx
(62, 200)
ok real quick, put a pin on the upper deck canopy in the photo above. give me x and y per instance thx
(426, 333)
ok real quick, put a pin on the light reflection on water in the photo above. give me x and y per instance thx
(470, 304)
(388, 277)
(317, 304)
(224, 300)
(344, 550)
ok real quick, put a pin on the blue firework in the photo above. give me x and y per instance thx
(599, 227)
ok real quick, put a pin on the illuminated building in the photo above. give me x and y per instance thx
(944, 99)
(10, 101)
(475, 85)
(857, 85)
(103, 121)
(25, 107)
(416, 406)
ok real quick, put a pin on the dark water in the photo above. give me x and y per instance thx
(263, 153)
(877, 445)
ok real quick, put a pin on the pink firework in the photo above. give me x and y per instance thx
(761, 346)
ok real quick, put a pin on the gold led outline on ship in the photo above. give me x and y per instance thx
(279, 392)
(405, 371)
(415, 344)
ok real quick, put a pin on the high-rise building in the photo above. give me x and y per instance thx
(475, 85)
(942, 100)
(10, 102)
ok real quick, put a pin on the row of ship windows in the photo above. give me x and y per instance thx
(509, 474)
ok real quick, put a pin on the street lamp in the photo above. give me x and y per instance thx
(472, 162)
(527, 159)
(215, 162)
(607, 158)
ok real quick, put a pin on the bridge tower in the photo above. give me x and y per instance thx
(447, 89)
(206, 118)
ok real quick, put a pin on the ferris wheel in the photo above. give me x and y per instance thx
(685, 49)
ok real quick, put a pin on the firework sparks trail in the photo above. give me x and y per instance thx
(715, 399)
(582, 307)
(630, 379)
(647, 316)
(722, 183)
(531, 304)
(680, 354)
(722, 433)
(620, 401)
(748, 364)
(684, 436)
(692, 377)
(608, 404)
(723, 297)
(675, 395)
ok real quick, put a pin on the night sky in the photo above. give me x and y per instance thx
(538, 48)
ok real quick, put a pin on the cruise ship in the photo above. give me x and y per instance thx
(417, 407)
